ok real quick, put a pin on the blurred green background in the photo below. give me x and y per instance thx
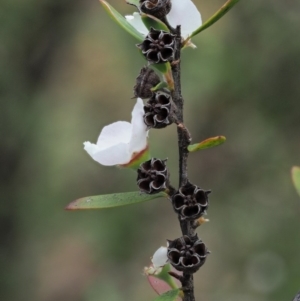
(66, 71)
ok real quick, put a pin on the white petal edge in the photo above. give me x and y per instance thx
(136, 21)
(138, 141)
(117, 154)
(160, 258)
(186, 14)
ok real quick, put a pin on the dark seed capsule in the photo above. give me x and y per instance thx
(190, 202)
(156, 8)
(153, 176)
(158, 46)
(187, 254)
(146, 80)
(157, 110)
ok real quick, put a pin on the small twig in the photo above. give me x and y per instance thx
(175, 275)
(171, 190)
(165, 20)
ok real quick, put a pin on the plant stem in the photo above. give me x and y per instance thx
(188, 287)
(183, 142)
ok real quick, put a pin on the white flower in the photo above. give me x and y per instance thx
(183, 12)
(121, 142)
(160, 258)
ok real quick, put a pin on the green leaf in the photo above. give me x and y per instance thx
(133, 2)
(163, 68)
(116, 16)
(152, 22)
(159, 86)
(166, 277)
(112, 200)
(169, 296)
(208, 143)
(296, 177)
(218, 15)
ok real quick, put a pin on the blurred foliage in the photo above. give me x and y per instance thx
(296, 177)
(66, 70)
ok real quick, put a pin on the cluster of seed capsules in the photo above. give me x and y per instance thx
(190, 202)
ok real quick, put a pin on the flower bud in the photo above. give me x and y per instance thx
(158, 46)
(190, 202)
(187, 254)
(156, 8)
(146, 80)
(157, 110)
(153, 176)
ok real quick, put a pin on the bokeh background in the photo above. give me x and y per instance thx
(66, 71)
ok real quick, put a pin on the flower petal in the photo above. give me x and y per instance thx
(160, 258)
(136, 21)
(115, 133)
(186, 14)
(138, 140)
(115, 155)
(119, 142)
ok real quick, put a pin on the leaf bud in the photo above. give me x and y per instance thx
(190, 202)
(153, 176)
(158, 46)
(156, 8)
(157, 110)
(146, 80)
(187, 254)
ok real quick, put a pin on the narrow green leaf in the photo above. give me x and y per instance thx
(208, 143)
(169, 296)
(166, 277)
(159, 86)
(163, 68)
(152, 22)
(218, 15)
(133, 2)
(116, 16)
(112, 200)
(296, 177)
